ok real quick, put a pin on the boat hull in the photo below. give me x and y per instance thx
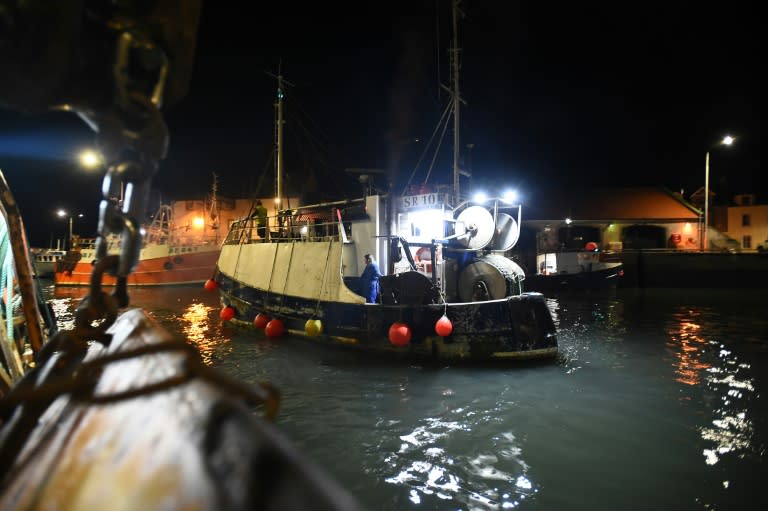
(517, 327)
(162, 270)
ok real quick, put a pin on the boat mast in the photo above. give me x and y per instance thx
(457, 172)
(279, 143)
(455, 75)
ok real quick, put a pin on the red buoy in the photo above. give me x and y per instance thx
(443, 326)
(591, 246)
(261, 320)
(210, 285)
(399, 334)
(274, 328)
(227, 313)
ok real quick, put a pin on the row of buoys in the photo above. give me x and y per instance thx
(400, 333)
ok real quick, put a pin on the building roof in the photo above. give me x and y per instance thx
(610, 204)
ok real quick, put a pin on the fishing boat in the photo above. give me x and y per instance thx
(171, 254)
(447, 291)
(577, 269)
(45, 259)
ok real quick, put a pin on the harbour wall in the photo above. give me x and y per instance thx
(666, 268)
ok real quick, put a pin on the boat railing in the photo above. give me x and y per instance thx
(283, 229)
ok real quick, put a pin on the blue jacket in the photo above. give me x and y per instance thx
(369, 282)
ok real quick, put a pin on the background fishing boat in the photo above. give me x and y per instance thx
(165, 258)
(577, 269)
(180, 247)
(44, 260)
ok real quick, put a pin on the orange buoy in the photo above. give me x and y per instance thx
(261, 320)
(274, 328)
(399, 334)
(227, 313)
(210, 285)
(443, 326)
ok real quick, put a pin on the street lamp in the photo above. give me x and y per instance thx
(61, 214)
(727, 140)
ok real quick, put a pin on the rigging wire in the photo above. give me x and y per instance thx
(444, 122)
(437, 150)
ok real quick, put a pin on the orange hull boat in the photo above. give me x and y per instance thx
(174, 268)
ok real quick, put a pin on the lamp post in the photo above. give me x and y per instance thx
(727, 140)
(61, 214)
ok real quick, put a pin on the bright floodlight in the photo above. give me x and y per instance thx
(198, 222)
(510, 196)
(480, 197)
(728, 140)
(568, 221)
(61, 213)
(90, 159)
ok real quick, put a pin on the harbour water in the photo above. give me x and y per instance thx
(657, 401)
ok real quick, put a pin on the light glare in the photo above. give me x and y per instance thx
(510, 196)
(90, 159)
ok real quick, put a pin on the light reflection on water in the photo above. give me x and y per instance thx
(424, 463)
(695, 338)
(654, 403)
(182, 310)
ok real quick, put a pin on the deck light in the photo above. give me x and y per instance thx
(509, 196)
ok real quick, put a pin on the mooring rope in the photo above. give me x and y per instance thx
(10, 303)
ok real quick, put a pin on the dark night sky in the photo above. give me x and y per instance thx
(558, 94)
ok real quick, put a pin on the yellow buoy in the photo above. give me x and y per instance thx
(313, 327)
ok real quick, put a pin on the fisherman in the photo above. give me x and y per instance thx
(261, 217)
(369, 280)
